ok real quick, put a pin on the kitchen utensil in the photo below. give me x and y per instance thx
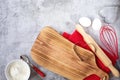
(26, 59)
(100, 54)
(57, 54)
(17, 70)
(109, 39)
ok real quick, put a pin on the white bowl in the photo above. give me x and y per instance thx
(17, 70)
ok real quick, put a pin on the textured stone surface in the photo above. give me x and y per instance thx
(21, 21)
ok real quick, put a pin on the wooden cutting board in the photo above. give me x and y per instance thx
(59, 55)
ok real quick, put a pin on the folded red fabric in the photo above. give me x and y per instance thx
(78, 39)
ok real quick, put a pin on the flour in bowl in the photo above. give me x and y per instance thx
(18, 70)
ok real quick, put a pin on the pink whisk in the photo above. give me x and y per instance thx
(109, 39)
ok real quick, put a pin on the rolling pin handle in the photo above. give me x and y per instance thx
(114, 70)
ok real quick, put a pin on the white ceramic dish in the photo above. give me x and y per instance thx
(17, 70)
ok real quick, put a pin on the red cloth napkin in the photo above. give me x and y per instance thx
(78, 39)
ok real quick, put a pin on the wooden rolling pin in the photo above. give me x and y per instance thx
(100, 54)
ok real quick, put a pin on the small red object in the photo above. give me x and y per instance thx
(38, 71)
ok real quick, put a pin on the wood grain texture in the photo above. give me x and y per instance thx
(57, 54)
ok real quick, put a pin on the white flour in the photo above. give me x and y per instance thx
(18, 70)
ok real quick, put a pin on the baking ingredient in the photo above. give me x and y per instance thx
(18, 70)
(85, 21)
(96, 24)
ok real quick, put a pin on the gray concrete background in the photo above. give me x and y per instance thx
(22, 20)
